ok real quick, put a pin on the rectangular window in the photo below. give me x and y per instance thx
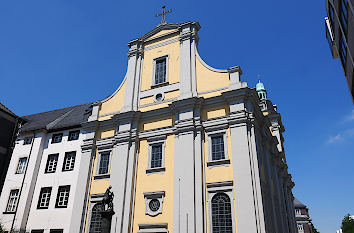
(331, 14)
(57, 138)
(21, 165)
(74, 135)
(27, 140)
(62, 197)
(344, 15)
(343, 51)
(37, 231)
(12, 202)
(69, 161)
(104, 163)
(297, 211)
(217, 147)
(300, 227)
(160, 70)
(44, 198)
(52, 163)
(156, 156)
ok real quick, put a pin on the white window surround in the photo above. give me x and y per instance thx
(105, 175)
(154, 70)
(226, 160)
(156, 141)
(225, 187)
(297, 211)
(154, 196)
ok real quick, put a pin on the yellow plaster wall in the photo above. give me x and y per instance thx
(106, 133)
(161, 33)
(212, 94)
(208, 79)
(114, 104)
(98, 186)
(156, 124)
(150, 99)
(173, 63)
(153, 183)
(215, 112)
(219, 174)
(153, 107)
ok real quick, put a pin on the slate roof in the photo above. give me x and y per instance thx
(298, 204)
(56, 119)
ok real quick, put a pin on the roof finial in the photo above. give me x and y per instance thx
(259, 77)
(163, 13)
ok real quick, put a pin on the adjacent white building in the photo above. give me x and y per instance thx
(44, 173)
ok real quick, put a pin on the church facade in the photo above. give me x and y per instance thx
(184, 146)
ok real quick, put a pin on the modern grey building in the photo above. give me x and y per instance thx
(340, 35)
(8, 127)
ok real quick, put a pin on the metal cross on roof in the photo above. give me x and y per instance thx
(163, 14)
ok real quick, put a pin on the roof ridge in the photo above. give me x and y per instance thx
(57, 109)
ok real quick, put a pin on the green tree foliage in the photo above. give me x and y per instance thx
(347, 224)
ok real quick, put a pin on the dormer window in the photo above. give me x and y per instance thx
(160, 70)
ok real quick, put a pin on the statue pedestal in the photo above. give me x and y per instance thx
(106, 221)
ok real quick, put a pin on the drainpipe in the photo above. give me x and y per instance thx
(23, 181)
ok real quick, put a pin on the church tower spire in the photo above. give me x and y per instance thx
(262, 92)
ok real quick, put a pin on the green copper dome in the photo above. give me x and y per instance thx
(262, 93)
(260, 86)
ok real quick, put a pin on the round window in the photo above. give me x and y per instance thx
(159, 97)
(154, 205)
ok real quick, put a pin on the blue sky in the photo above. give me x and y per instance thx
(60, 53)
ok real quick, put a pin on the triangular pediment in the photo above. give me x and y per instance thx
(163, 29)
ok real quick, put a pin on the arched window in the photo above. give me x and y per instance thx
(96, 219)
(221, 213)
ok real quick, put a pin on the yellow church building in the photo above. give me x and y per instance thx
(186, 148)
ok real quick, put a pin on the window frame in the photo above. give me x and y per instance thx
(72, 132)
(16, 201)
(58, 196)
(65, 160)
(46, 166)
(18, 165)
(220, 162)
(107, 174)
(40, 197)
(297, 212)
(55, 135)
(343, 52)
(298, 227)
(93, 204)
(154, 84)
(154, 142)
(214, 188)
